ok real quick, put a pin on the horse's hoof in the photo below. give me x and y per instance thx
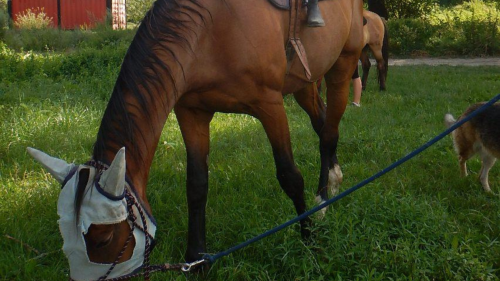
(306, 233)
(321, 213)
(305, 229)
(335, 178)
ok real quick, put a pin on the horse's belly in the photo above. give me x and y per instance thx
(220, 101)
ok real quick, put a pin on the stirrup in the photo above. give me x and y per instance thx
(314, 18)
(315, 22)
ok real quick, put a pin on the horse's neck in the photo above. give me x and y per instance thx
(134, 118)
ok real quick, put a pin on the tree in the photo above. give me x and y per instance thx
(137, 9)
(378, 7)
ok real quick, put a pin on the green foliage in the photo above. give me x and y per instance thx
(75, 66)
(3, 23)
(450, 2)
(405, 9)
(470, 29)
(4, 19)
(67, 40)
(136, 9)
(409, 35)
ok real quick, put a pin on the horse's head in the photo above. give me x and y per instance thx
(102, 224)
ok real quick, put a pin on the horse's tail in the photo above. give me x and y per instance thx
(385, 50)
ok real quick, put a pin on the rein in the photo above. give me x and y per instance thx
(147, 269)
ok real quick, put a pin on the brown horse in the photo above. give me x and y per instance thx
(376, 39)
(198, 57)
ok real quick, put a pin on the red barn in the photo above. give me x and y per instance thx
(73, 14)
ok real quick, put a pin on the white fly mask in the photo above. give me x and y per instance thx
(103, 203)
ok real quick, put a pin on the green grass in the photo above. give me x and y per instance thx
(420, 222)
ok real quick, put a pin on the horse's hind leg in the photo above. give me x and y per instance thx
(365, 64)
(381, 69)
(194, 125)
(309, 99)
(273, 118)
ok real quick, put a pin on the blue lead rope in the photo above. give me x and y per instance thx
(213, 258)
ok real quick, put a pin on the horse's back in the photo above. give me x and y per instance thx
(373, 31)
(246, 41)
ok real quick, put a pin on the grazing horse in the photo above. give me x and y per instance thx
(376, 39)
(198, 57)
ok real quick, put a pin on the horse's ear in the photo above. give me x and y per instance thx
(113, 179)
(58, 168)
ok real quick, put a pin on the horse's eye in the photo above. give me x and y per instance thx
(99, 236)
(104, 243)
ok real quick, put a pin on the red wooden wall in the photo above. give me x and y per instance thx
(49, 7)
(74, 14)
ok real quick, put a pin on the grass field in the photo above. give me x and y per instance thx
(420, 222)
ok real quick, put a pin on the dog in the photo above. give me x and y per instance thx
(481, 135)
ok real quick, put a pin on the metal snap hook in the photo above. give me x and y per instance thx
(187, 267)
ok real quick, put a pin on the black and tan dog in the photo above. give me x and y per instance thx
(481, 135)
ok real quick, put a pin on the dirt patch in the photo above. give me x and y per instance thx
(442, 61)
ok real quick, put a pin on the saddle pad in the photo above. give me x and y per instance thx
(281, 4)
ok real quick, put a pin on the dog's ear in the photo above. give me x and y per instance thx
(449, 120)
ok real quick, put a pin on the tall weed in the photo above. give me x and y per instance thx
(33, 19)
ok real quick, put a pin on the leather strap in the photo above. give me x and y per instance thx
(294, 40)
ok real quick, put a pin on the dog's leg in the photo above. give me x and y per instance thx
(463, 166)
(487, 161)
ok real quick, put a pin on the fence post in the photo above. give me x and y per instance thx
(59, 14)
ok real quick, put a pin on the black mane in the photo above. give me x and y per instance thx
(140, 74)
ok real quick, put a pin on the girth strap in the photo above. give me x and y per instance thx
(294, 40)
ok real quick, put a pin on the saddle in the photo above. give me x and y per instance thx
(294, 45)
(281, 4)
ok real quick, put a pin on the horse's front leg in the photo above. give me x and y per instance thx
(309, 99)
(194, 125)
(365, 64)
(337, 84)
(272, 115)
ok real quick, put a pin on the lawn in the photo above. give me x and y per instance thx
(420, 222)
